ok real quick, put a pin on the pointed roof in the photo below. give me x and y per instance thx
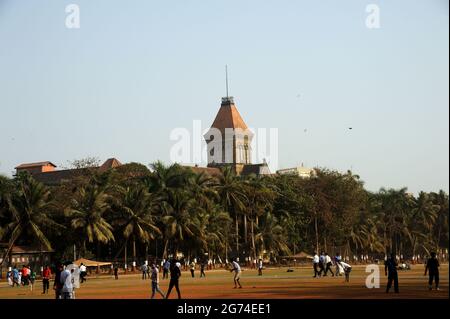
(228, 116)
(109, 163)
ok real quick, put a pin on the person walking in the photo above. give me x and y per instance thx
(237, 273)
(175, 274)
(46, 274)
(390, 270)
(328, 264)
(432, 268)
(67, 284)
(316, 262)
(15, 277)
(83, 273)
(321, 264)
(155, 282)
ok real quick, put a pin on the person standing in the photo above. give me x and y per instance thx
(57, 285)
(237, 273)
(432, 268)
(166, 268)
(67, 284)
(46, 274)
(202, 268)
(337, 261)
(116, 271)
(192, 268)
(144, 269)
(9, 278)
(175, 274)
(328, 264)
(83, 272)
(316, 262)
(260, 267)
(390, 270)
(155, 282)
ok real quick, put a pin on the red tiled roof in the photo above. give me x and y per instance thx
(109, 163)
(229, 117)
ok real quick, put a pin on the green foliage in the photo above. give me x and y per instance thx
(172, 209)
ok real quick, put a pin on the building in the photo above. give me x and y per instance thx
(300, 171)
(26, 255)
(229, 142)
(46, 173)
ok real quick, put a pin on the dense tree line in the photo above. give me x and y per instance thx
(135, 212)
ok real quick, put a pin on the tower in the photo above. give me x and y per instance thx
(229, 139)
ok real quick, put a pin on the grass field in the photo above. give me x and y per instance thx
(275, 283)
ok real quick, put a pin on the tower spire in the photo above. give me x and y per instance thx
(226, 77)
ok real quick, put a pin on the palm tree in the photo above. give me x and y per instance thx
(135, 208)
(28, 207)
(259, 199)
(87, 211)
(272, 236)
(180, 222)
(231, 191)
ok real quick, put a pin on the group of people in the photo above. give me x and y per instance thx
(323, 264)
(23, 277)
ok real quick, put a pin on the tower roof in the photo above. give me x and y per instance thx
(228, 116)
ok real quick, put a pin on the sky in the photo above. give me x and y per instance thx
(136, 70)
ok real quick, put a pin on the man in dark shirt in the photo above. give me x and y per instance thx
(390, 270)
(57, 286)
(433, 271)
(175, 274)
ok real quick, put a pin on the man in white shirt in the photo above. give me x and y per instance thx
(347, 270)
(316, 265)
(237, 273)
(66, 281)
(83, 272)
(328, 265)
(260, 267)
(155, 282)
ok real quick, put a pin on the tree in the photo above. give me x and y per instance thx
(231, 192)
(87, 211)
(28, 208)
(134, 215)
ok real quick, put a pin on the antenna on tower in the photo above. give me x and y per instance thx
(226, 77)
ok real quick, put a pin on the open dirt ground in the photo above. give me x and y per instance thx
(275, 283)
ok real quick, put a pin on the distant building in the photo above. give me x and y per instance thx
(46, 173)
(35, 168)
(26, 255)
(300, 171)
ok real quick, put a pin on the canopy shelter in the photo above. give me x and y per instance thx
(301, 258)
(301, 255)
(91, 263)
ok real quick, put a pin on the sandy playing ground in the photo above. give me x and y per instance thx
(275, 283)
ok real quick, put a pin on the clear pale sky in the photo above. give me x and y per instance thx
(135, 70)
